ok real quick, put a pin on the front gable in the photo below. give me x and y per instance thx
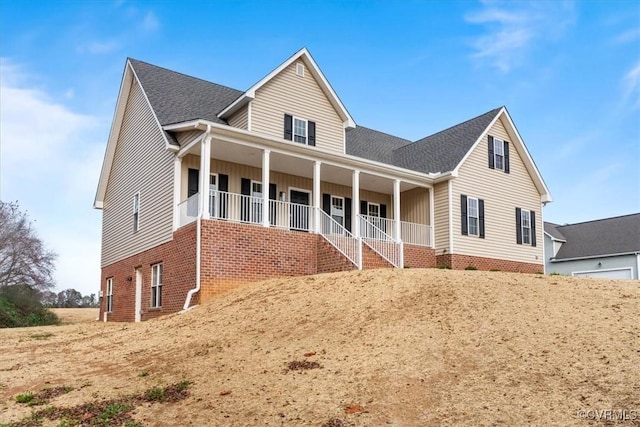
(298, 89)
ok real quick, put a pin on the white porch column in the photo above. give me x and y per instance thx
(432, 214)
(316, 196)
(396, 210)
(355, 196)
(205, 172)
(177, 187)
(266, 155)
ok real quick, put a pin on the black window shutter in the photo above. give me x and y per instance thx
(245, 186)
(518, 226)
(223, 185)
(481, 217)
(192, 182)
(288, 127)
(245, 189)
(463, 218)
(491, 159)
(223, 182)
(347, 213)
(533, 228)
(326, 203)
(506, 157)
(363, 207)
(311, 129)
(383, 211)
(273, 194)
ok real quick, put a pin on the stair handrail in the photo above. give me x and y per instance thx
(340, 238)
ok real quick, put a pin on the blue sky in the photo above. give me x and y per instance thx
(568, 72)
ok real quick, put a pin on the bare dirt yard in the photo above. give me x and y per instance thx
(369, 348)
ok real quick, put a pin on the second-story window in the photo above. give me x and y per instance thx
(136, 212)
(299, 130)
(498, 154)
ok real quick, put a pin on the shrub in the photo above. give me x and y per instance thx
(470, 267)
(20, 306)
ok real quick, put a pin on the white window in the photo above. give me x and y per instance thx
(373, 209)
(136, 212)
(337, 209)
(213, 188)
(299, 130)
(256, 202)
(156, 285)
(300, 69)
(472, 216)
(498, 153)
(109, 294)
(525, 220)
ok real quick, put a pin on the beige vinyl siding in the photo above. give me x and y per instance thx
(141, 164)
(287, 93)
(441, 214)
(184, 138)
(240, 119)
(284, 182)
(502, 193)
(414, 206)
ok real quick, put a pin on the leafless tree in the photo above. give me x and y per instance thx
(24, 260)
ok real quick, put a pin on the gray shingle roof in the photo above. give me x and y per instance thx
(373, 145)
(601, 237)
(552, 229)
(442, 151)
(176, 97)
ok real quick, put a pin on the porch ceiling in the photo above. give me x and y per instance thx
(293, 165)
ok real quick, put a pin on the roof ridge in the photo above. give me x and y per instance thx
(599, 219)
(460, 124)
(384, 133)
(183, 74)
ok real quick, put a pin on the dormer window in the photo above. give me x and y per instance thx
(299, 130)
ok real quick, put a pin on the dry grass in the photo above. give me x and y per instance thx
(76, 315)
(399, 348)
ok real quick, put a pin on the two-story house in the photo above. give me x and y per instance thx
(205, 187)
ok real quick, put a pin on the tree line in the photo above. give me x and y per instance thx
(26, 274)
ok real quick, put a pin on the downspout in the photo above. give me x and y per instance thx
(191, 292)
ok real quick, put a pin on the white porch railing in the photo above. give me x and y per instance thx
(340, 238)
(247, 209)
(188, 210)
(415, 234)
(381, 243)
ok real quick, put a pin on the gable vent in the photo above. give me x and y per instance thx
(300, 69)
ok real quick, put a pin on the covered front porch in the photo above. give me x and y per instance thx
(349, 206)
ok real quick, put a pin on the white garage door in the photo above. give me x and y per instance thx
(624, 273)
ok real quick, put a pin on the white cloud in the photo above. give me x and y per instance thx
(511, 28)
(627, 36)
(51, 159)
(150, 22)
(631, 83)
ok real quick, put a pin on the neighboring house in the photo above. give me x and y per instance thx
(204, 187)
(606, 248)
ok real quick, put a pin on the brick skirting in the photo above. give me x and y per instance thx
(419, 256)
(179, 276)
(461, 262)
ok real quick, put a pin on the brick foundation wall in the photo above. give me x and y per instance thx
(460, 262)
(179, 276)
(330, 260)
(419, 256)
(371, 260)
(233, 254)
